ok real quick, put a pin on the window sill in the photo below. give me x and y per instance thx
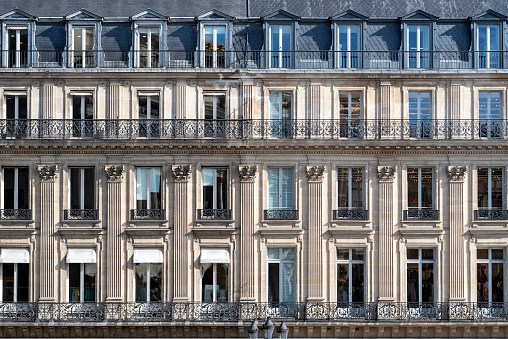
(146, 224)
(334, 224)
(76, 223)
(489, 223)
(281, 227)
(426, 224)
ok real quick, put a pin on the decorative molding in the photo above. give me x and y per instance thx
(386, 173)
(114, 173)
(456, 173)
(247, 173)
(181, 173)
(315, 173)
(48, 172)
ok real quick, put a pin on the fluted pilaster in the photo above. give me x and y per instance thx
(455, 101)
(315, 101)
(385, 89)
(114, 101)
(180, 100)
(47, 101)
(247, 101)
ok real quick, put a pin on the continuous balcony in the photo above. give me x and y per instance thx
(239, 59)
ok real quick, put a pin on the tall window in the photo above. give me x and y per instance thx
(16, 189)
(214, 274)
(18, 46)
(15, 282)
(349, 46)
(420, 275)
(350, 188)
(83, 46)
(16, 114)
(281, 275)
(82, 194)
(418, 47)
(490, 188)
(419, 115)
(351, 114)
(82, 282)
(149, 114)
(488, 46)
(350, 275)
(489, 273)
(281, 114)
(148, 188)
(419, 188)
(215, 110)
(82, 115)
(215, 46)
(148, 282)
(280, 188)
(215, 188)
(149, 45)
(489, 113)
(280, 46)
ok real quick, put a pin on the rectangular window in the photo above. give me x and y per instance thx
(148, 188)
(420, 113)
(350, 276)
(350, 188)
(280, 188)
(215, 188)
(489, 113)
(82, 283)
(490, 188)
(83, 45)
(82, 115)
(215, 110)
(148, 282)
(15, 282)
(82, 195)
(351, 125)
(18, 46)
(281, 275)
(214, 277)
(149, 45)
(16, 188)
(420, 276)
(280, 46)
(149, 115)
(349, 46)
(488, 46)
(16, 106)
(418, 47)
(215, 46)
(489, 273)
(281, 114)
(419, 188)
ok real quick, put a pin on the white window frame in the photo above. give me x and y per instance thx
(293, 204)
(16, 96)
(350, 189)
(15, 298)
(419, 48)
(215, 96)
(81, 184)
(148, 185)
(81, 49)
(214, 26)
(214, 285)
(280, 104)
(279, 53)
(6, 25)
(81, 283)
(488, 43)
(493, 125)
(350, 264)
(17, 50)
(83, 103)
(489, 262)
(418, 125)
(348, 51)
(281, 262)
(215, 171)
(149, 96)
(353, 127)
(420, 187)
(489, 187)
(148, 268)
(16, 187)
(148, 25)
(421, 261)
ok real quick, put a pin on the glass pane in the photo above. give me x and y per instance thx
(287, 188)
(23, 282)
(78, 39)
(273, 188)
(342, 254)
(413, 105)
(89, 282)
(12, 40)
(343, 187)
(221, 107)
(8, 282)
(273, 253)
(155, 188)
(357, 278)
(154, 104)
(74, 282)
(483, 188)
(23, 41)
(288, 253)
(412, 253)
(482, 253)
(482, 282)
(497, 282)
(343, 38)
(75, 202)
(208, 188)
(273, 282)
(358, 254)
(426, 179)
(286, 38)
(9, 188)
(497, 188)
(427, 283)
(89, 188)
(222, 189)
(413, 286)
(10, 106)
(141, 188)
(141, 281)
(22, 107)
(344, 105)
(427, 254)
(424, 105)
(207, 282)
(89, 38)
(88, 107)
(497, 254)
(208, 101)
(155, 282)
(275, 38)
(343, 283)
(424, 38)
(412, 38)
(222, 282)
(355, 38)
(76, 107)
(357, 187)
(275, 109)
(23, 188)
(143, 47)
(356, 105)
(208, 38)
(412, 187)
(286, 105)
(221, 38)
(143, 107)
(482, 38)
(494, 38)
(288, 282)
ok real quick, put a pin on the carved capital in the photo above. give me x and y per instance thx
(456, 173)
(386, 173)
(181, 173)
(114, 173)
(247, 173)
(48, 172)
(315, 173)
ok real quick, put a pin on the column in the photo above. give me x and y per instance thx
(457, 268)
(386, 176)
(48, 241)
(315, 233)
(180, 100)
(385, 102)
(114, 175)
(248, 248)
(181, 229)
(47, 101)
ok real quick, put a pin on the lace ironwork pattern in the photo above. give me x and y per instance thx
(351, 214)
(144, 214)
(16, 214)
(425, 214)
(281, 214)
(490, 215)
(81, 214)
(214, 214)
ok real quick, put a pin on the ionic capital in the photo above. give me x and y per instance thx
(456, 173)
(114, 173)
(247, 173)
(315, 173)
(181, 173)
(48, 172)
(386, 173)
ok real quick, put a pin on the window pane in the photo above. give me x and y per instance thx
(275, 38)
(75, 202)
(497, 188)
(358, 254)
(427, 283)
(221, 38)
(78, 39)
(208, 38)
(413, 287)
(494, 38)
(222, 189)
(497, 282)
(10, 106)
(424, 38)
(143, 107)
(207, 188)
(89, 188)
(357, 187)
(342, 254)
(355, 38)
(221, 107)
(222, 282)
(89, 38)
(23, 188)
(343, 283)
(287, 188)
(9, 188)
(22, 107)
(141, 188)
(426, 179)
(155, 282)
(76, 107)
(412, 253)
(288, 282)
(343, 38)
(273, 188)
(74, 282)
(88, 107)
(482, 38)
(89, 282)
(427, 254)
(497, 254)
(273, 282)
(483, 187)
(343, 187)
(286, 105)
(357, 282)
(273, 253)
(23, 282)
(482, 282)
(141, 281)
(8, 282)
(207, 282)
(155, 188)
(412, 187)
(286, 38)
(482, 253)
(288, 253)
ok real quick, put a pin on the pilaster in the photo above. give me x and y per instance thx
(315, 101)
(385, 89)
(114, 176)
(248, 239)
(457, 247)
(247, 101)
(315, 242)
(455, 101)
(181, 176)
(114, 101)
(47, 101)
(48, 241)
(180, 100)
(386, 176)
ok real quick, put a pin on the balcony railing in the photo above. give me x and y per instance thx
(353, 214)
(491, 215)
(237, 311)
(214, 214)
(151, 214)
(366, 129)
(280, 214)
(239, 59)
(75, 214)
(16, 214)
(425, 214)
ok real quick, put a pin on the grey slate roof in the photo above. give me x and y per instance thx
(258, 8)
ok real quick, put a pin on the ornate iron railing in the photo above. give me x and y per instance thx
(144, 214)
(280, 214)
(425, 214)
(81, 214)
(353, 214)
(375, 129)
(490, 215)
(214, 214)
(16, 214)
(239, 59)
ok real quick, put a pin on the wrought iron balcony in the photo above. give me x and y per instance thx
(214, 214)
(491, 215)
(16, 214)
(74, 214)
(353, 214)
(240, 59)
(145, 214)
(281, 214)
(425, 214)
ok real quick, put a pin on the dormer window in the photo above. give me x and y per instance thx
(347, 30)
(149, 29)
(18, 37)
(149, 43)
(215, 39)
(280, 39)
(418, 39)
(17, 46)
(83, 29)
(487, 28)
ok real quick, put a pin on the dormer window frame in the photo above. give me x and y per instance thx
(149, 20)
(215, 19)
(488, 19)
(275, 59)
(76, 21)
(8, 23)
(348, 58)
(419, 59)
